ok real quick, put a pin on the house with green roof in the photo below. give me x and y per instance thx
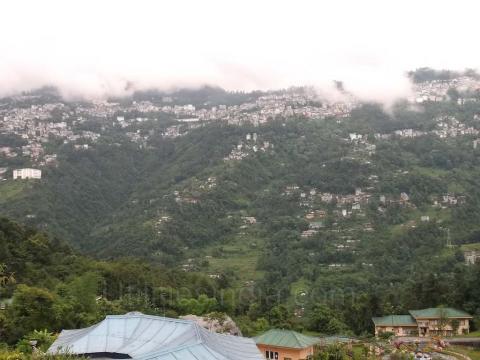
(286, 345)
(400, 325)
(440, 321)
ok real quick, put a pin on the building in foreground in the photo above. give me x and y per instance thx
(27, 174)
(426, 322)
(139, 336)
(286, 344)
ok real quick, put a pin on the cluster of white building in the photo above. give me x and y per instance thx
(36, 125)
(243, 149)
(27, 173)
(436, 90)
(446, 127)
(287, 104)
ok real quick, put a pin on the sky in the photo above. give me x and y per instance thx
(101, 48)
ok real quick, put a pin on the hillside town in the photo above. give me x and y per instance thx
(225, 180)
(37, 125)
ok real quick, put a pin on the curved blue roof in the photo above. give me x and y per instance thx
(145, 337)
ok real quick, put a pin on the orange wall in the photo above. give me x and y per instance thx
(287, 353)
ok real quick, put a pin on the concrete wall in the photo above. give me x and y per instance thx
(286, 353)
(397, 330)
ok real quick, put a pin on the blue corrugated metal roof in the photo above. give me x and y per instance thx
(145, 337)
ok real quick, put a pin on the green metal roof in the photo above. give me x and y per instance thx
(394, 320)
(286, 338)
(432, 313)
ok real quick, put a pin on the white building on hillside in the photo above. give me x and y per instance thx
(27, 174)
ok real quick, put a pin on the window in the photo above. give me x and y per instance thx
(271, 355)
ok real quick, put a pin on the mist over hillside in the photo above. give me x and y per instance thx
(169, 47)
(338, 198)
(300, 174)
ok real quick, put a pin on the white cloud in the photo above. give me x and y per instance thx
(95, 47)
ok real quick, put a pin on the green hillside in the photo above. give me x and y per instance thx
(300, 215)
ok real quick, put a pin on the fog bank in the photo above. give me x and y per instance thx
(109, 48)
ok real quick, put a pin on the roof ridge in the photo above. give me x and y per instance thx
(295, 333)
(286, 336)
(154, 317)
(436, 312)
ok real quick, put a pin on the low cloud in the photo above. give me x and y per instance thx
(98, 49)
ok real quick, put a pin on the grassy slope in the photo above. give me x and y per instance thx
(238, 255)
(11, 190)
(474, 246)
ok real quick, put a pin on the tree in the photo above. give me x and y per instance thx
(83, 289)
(442, 319)
(5, 277)
(453, 94)
(32, 308)
(200, 306)
(280, 317)
(324, 320)
(261, 325)
(455, 324)
(42, 338)
(331, 352)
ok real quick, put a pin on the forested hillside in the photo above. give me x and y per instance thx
(324, 223)
(46, 285)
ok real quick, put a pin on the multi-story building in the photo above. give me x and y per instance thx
(426, 322)
(27, 174)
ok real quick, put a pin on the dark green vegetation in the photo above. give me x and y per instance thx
(49, 286)
(203, 97)
(236, 226)
(425, 74)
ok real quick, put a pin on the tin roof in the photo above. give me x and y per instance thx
(434, 313)
(145, 337)
(286, 338)
(394, 320)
